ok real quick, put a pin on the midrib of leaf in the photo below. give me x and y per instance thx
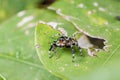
(112, 53)
(22, 61)
(2, 77)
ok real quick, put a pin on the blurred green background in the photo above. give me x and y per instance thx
(9, 8)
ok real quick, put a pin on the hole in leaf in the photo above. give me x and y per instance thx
(44, 3)
(85, 41)
(92, 44)
(97, 42)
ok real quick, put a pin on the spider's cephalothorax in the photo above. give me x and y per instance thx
(64, 41)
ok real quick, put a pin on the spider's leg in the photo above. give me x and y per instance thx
(75, 33)
(54, 50)
(49, 53)
(80, 49)
(52, 47)
(73, 54)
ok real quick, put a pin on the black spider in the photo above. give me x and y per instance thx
(64, 41)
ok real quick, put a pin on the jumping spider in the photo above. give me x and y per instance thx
(64, 41)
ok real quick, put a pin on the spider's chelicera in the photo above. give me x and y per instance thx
(64, 41)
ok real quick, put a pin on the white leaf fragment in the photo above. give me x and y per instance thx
(92, 52)
(83, 42)
(52, 24)
(101, 9)
(89, 12)
(95, 4)
(80, 5)
(61, 69)
(27, 32)
(50, 71)
(117, 29)
(25, 20)
(77, 65)
(106, 23)
(66, 64)
(30, 25)
(67, 17)
(20, 14)
(63, 31)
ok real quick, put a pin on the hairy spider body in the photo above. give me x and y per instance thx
(64, 41)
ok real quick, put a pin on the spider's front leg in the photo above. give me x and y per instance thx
(73, 54)
(80, 50)
(52, 48)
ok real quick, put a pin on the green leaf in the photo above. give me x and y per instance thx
(95, 21)
(18, 58)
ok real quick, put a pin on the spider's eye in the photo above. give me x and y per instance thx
(60, 39)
